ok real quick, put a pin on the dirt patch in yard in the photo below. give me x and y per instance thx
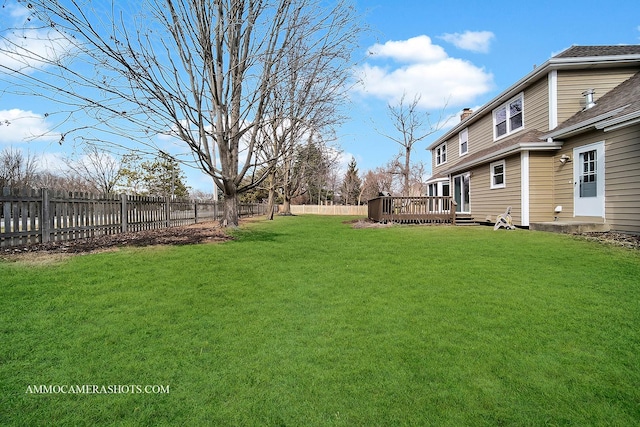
(367, 223)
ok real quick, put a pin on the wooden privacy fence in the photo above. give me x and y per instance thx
(39, 216)
(435, 209)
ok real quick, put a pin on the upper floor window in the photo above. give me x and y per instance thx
(463, 137)
(441, 154)
(508, 117)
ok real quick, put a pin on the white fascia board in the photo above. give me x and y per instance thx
(439, 179)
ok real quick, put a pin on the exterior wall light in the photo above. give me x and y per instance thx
(565, 159)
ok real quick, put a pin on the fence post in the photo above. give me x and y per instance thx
(167, 211)
(123, 213)
(45, 224)
(195, 211)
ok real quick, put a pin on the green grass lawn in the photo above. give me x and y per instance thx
(305, 321)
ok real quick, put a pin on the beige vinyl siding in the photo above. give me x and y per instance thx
(481, 134)
(541, 192)
(622, 179)
(571, 84)
(536, 106)
(487, 202)
(563, 184)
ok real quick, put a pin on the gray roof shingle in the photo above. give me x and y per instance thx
(590, 51)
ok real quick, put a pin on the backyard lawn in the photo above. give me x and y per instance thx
(306, 321)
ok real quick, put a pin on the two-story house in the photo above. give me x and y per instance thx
(562, 144)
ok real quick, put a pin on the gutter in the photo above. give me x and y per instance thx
(619, 122)
(583, 125)
(512, 149)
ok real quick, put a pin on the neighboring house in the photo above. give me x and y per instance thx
(562, 144)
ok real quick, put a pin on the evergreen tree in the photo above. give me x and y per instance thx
(351, 185)
(161, 176)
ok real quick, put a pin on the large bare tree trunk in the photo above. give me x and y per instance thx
(271, 201)
(230, 217)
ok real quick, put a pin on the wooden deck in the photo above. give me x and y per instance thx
(412, 210)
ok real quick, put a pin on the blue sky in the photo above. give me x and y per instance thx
(465, 52)
(478, 50)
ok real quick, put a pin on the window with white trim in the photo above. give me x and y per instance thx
(440, 154)
(463, 138)
(508, 117)
(498, 174)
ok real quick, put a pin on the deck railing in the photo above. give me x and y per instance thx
(430, 209)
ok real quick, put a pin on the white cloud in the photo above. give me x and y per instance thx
(426, 70)
(416, 49)
(20, 126)
(26, 49)
(475, 41)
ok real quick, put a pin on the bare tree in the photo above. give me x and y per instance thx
(202, 71)
(306, 101)
(58, 181)
(98, 170)
(375, 182)
(17, 169)
(412, 126)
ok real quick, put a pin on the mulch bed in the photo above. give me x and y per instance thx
(187, 235)
(618, 239)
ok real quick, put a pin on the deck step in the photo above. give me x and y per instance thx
(465, 220)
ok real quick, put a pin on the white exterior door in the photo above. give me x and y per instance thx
(588, 177)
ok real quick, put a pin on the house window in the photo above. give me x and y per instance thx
(463, 137)
(441, 154)
(498, 174)
(508, 117)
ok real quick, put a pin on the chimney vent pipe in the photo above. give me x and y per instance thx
(588, 98)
